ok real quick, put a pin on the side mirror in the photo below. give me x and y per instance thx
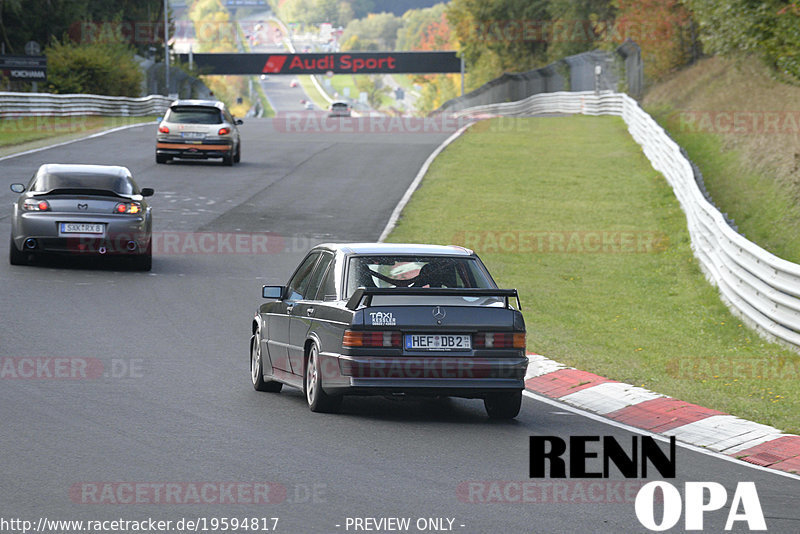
(239, 122)
(18, 188)
(147, 191)
(272, 292)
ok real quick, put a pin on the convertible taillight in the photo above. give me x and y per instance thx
(33, 204)
(128, 207)
(353, 338)
(224, 131)
(499, 340)
(163, 129)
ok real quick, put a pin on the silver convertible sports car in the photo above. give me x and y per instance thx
(389, 319)
(81, 210)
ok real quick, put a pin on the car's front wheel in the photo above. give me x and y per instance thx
(257, 368)
(503, 405)
(318, 400)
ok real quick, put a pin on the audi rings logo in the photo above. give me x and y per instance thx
(439, 313)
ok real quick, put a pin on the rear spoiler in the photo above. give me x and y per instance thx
(364, 294)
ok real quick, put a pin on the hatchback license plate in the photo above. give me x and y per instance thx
(193, 135)
(438, 342)
(82, 228)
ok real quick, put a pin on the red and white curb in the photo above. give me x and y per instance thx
(640, 408)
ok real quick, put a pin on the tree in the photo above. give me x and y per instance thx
(576, 26)
(92, 68)
(375, 32)
(492, 36)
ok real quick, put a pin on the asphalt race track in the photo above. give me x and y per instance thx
(168, 398)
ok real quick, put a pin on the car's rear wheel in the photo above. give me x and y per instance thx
(318, 400)
(257, 368)
(161, 159)
(228, 160)
(238, 157)
(143, 262)
(15, 256)
(503, 405)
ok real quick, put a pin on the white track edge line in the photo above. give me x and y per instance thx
(660, 437)
(415, 184)
(96, 134)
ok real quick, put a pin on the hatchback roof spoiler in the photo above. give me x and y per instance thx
(364, 294)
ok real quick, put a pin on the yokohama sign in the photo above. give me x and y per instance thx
(340, 63)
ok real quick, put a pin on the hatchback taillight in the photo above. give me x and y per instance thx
(33, 204)
(371, 339)
(128, 207)
(163, 129)
(499, 340)
(224, 131)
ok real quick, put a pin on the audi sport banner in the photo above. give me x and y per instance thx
(339, 63)
(25, 68)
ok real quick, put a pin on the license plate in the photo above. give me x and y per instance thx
(82, 228)
(438, 342)
(193, 135)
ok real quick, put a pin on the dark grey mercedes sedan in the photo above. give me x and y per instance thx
(81, 210)
(391, 319)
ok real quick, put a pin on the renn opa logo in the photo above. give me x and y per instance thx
(586, 461)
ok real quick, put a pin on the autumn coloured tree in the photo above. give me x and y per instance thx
(664, 30)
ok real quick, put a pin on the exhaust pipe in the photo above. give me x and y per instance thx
(131, 246)
(102, 249)
(30, 243)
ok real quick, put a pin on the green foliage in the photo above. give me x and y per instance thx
(374, 32)
(770, 28)
(94, 68)
(578, 26)
(491, 38)
(375, 89)
(415, 25)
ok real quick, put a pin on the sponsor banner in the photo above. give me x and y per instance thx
(338, 63)
(24, 68)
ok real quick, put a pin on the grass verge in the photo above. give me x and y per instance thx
(569, 211)
(741, 127)
(312, 92)
(24, 130)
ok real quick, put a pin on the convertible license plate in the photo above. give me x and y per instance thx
(82, 228)
(438, 342)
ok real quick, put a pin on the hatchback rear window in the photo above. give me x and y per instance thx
(73, 181)
(339, 106)
(194, 115)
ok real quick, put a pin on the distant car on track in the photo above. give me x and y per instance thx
(294, 83)
(339, 109)
(81, 210)
(390, 319)
(198, 129)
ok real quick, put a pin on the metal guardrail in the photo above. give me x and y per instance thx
(758, 286)
(27, 104)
